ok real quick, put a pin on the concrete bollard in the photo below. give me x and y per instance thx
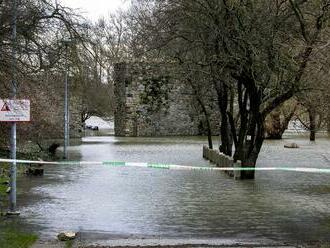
(225, 161)
(226, 164)
(218, 160)
(237, 174)
(231, 162)
(221, 160)
(205, 152)
(213, 156)
(208, 153)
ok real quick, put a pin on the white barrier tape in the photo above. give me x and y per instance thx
(168, 166)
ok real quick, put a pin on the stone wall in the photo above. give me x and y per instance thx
(149, 101)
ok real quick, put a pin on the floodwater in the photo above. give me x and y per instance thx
(144, 203)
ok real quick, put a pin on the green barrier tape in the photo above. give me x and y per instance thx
(171, 167)
(159, 166)
(115, 164)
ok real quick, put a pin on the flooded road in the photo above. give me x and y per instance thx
(180, 204)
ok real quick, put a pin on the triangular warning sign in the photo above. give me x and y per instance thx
(5, 108)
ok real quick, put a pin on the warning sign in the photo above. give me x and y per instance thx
(14, 110)
(5, 107)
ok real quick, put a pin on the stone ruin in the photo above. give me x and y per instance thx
(151, 101)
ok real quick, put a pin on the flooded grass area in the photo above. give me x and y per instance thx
(14, 236)
(143, 203)
(3, 194)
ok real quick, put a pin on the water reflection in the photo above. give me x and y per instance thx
(143, 202)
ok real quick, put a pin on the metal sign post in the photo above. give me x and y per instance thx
(66, 43)
(66, 114)
(14, 110)
(12, 196)
(66, 103)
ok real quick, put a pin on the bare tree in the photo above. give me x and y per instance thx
(41, 26)
(255, 52)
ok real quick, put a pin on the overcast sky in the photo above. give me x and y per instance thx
(93, 9)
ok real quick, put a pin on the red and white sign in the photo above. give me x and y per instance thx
(14, 110)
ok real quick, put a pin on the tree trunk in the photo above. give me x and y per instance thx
(328, 121)
(312, 123)
(226, 137)
(206, 114)
(209, 135)
(273, 125)
(249, 162)
(208, 125)
(249, 150)
(250, 136)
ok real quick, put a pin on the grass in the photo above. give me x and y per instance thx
(3, 194)
(3, 187)
(11, 238)
(69, 244)
(4, 171)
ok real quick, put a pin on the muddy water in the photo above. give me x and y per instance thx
(171, 204)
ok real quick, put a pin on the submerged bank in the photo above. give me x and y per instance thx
(13, 238)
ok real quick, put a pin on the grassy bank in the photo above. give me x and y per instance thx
(4, 184)
(28, 154)
(11, 238)
(3, 195)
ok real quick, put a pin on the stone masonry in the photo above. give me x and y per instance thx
(151, 102)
